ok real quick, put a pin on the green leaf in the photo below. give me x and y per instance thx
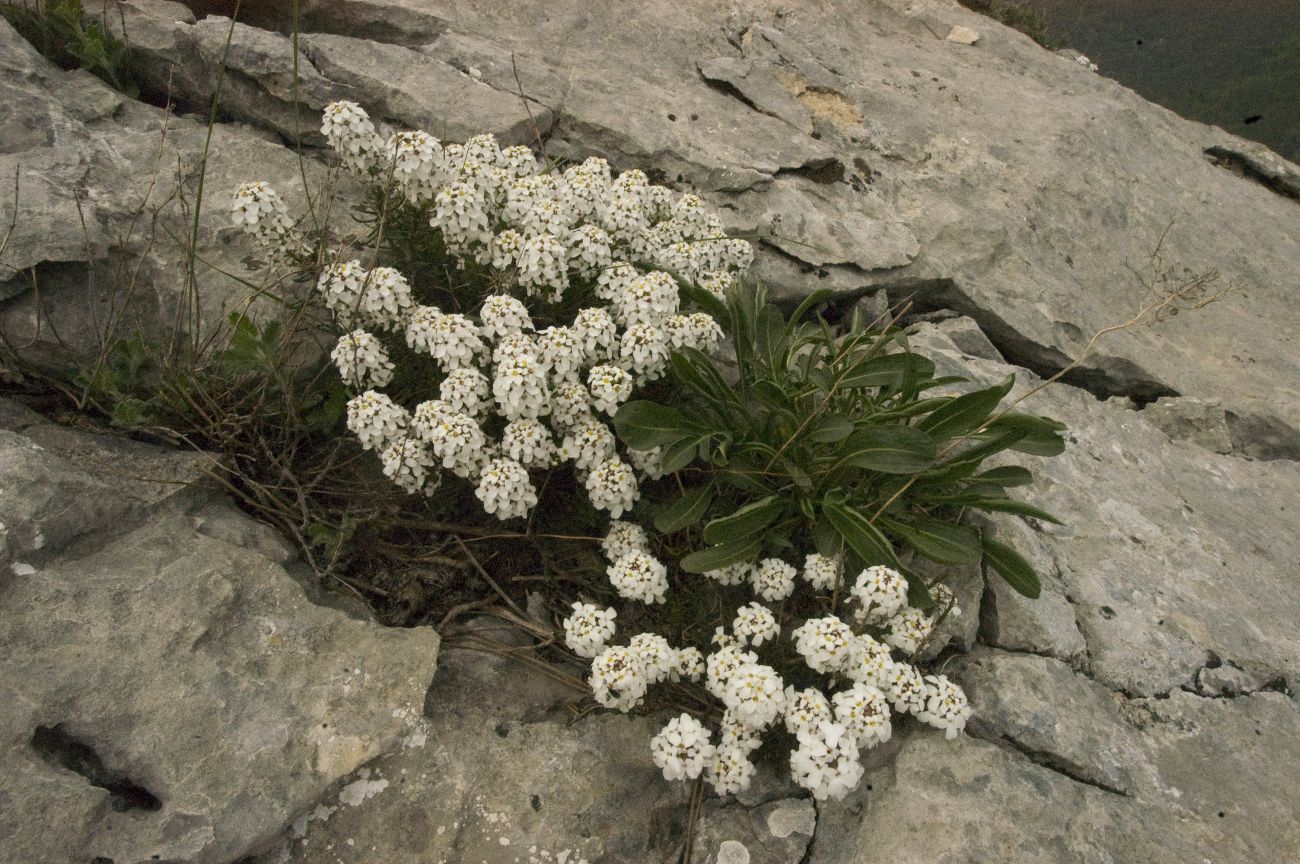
(918, 594)
(680, 453)
(829, 429)
(1010, 566)
(686, 510)
(827, 540)
(1044, 437)
(749, 519)
(722, 555)
(888, 370)
(939, 541)
(861, 536)
(965, 413)
(1008, 505)
(646, 425)
(890, 449)
(1007, 475)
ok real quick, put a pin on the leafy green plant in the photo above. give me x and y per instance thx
(64, 34)
(837, 442)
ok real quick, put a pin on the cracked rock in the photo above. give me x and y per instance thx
(167, 689)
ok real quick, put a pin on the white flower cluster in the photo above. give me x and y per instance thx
(259, 210)
(865, 686)
(546, 237)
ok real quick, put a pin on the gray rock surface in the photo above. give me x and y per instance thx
(500, 775)
(1141, 710)
(106, 188)
(167, 690)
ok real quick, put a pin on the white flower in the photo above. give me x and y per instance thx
(614, 279)
(362, 360)
(755, 624)
(717, 283)
(945, 707)
(505, 490)
(682, 748)
(375, 420)
(722, 664)
(451, 338)
(406, 462)
(596, 332)
(871, 662)
(639, 576)
(697, 330)
(644, 351)
(659, 202)
(483, 148)
(260, 211)
(655, 654)
(529, 443)
(945, 602)
(908, 630)
(737, 255)
(386, 298)
(732, 574)
(561, 352)
(729, 770)
(347, 128)
(879, 593)
(518, 160)
(611, 485)
(863, 710)
(454, 437)
(514, 345)
(622, 538)
(340, 286)
(617, 680)
(733, 732)
(826, 761)
(826, 644)
(609, 386)
(502, 314)
(588, 628)
(688, 664)
(505, 248)
(772, 579)
(755, 694)
(520, 388)
(524, 194)
(647, 299)
(543, 267)
(906, 690)
(821, 572)
(648, 462)
(805, 709)
(460, 211)
(465, 390)
(570, 405)
(416, 160)
(588, 443)
(588, 249)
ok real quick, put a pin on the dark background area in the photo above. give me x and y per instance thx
(1232, 63)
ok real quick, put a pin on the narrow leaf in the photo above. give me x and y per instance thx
(965, 413)
(1008, 505)
(861, 536)
(645, 425)
(938, 541)
(746, 521)
(890, 449)
(722, 555)
(1007, 475)
(686, 510)
(1010, 566)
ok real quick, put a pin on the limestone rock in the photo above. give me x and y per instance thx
(169, 691)
(1201, 421)
(499, 775)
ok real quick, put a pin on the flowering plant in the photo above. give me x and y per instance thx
(798, 496)
(525, 306)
